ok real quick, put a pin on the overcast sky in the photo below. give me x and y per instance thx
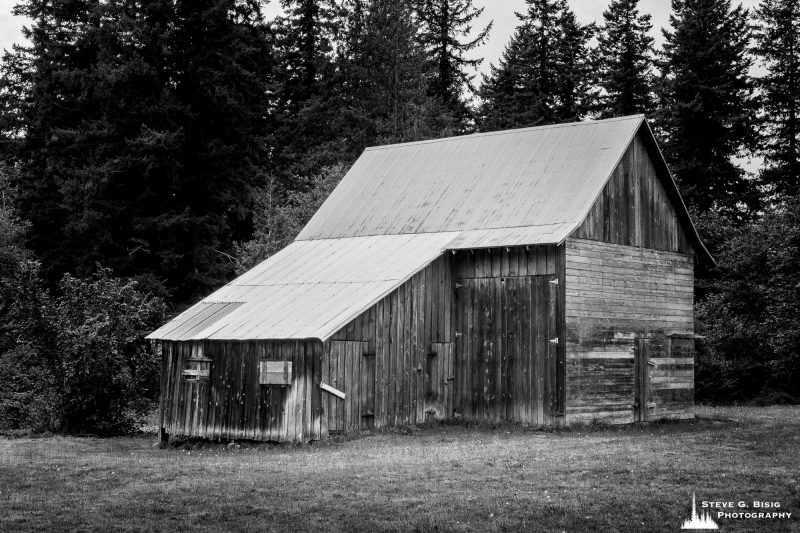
(501, 11)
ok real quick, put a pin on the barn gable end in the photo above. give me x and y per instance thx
(629, 300)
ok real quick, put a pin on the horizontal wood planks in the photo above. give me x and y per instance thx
(232, 404)
(634, 208)
(614, 295)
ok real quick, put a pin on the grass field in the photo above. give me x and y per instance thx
(446, 478)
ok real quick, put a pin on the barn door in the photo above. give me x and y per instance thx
(507, 348)
(641, 379)
(350, 370)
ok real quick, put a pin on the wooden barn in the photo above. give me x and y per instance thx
(541, 275)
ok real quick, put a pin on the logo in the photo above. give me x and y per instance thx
(699, 521)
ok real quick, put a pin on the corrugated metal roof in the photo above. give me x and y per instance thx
(400, 206)
(530, 177)
(310, 289)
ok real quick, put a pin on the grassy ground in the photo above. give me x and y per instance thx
(449, 478)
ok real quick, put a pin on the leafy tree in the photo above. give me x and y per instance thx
(277, 225)
(142, 130)
(545, 73)
(446, 29)
(105, 374)
(777, 44)
(752, 319)
(708, 110)
(625, 60)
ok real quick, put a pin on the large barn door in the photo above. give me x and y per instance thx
(350, 369)
(507, 348)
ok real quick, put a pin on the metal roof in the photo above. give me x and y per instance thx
(401, 206)
(310, 289)
(532, 177)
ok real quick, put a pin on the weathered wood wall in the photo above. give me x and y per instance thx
(509, 361)
(402, 362)
(232, 404)
(634, 208)
(614, 294)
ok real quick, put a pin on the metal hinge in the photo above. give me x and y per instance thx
(458, 334)
(554, 341)
(554, 281)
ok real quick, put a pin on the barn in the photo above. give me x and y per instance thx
(541, 275)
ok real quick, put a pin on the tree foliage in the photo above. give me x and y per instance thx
(777, 44)
(752, 317)
(708, 110)
(625, 60)
(446, 34)
(545, 74)
(142, 129)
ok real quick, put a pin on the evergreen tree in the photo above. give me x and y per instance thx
(544, 75)
(708, 111)
(387, 77)
(142, 132)
(446, 28)
(778, 47)
(576, 70)
(305, 106)
(625, 60)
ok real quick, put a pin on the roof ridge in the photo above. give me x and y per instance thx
(590, 122)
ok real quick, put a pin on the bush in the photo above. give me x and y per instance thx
(80, 363)
(105, 373)
(751, 317)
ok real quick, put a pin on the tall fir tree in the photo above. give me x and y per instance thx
(304, 109)
(447, 27)
(777, 45)
(142, 130)
(545, 73)
(625, 61)
(708, 110)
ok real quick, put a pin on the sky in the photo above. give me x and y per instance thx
(501, 11)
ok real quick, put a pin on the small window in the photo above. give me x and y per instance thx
(275, 373)
(197, 369)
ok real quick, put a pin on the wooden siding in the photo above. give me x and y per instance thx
(634, 208)
(410, 334)
(614, 295)
(232, 404)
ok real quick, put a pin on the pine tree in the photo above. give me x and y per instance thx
(142, 130)
(708, 110)
(446, 28)
(576, 70)
(625, 60)
(778, 48)
(545, 73)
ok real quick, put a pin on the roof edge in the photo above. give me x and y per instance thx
(673, 192)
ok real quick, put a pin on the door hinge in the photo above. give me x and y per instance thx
(554, 281)
(554, 341)
(458, 333)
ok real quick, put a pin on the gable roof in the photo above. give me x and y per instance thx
(400, 206)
